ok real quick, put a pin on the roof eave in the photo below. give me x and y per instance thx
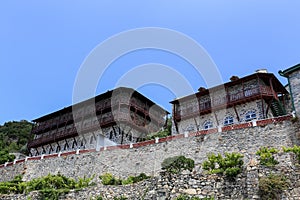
(288, 71)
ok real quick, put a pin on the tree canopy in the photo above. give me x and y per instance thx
(13, 139)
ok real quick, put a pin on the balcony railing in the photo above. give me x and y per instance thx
(222, 101)
(60, 135)
(50, 124)
(72, 132)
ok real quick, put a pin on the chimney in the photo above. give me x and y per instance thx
(201, 89)
(261, 71)
(234, 78)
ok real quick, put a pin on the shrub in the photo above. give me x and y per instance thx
(135, 179)
(129, 180)
(99, 198)
(266, 156)
(52, 194)
(50, 186)
(141, 177)
(177, 163)
(271, 187)
(6, 157)
(13, 186)
(231, 165)
(109, 179)
(163, 133)
(295, 150)
(160, 134)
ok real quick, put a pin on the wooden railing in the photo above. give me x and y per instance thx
(222, 101)
(72, 132)
(53, 124)
(60, 135)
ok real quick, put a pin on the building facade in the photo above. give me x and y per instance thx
(293, 76)
(257, 96)
(119, 116)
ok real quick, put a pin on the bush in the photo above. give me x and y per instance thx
(271, 187)
(160, 134)
(230, 166)
(177, 163)
(109, 179)
(266, 156)
(135, 179)
(295, 150)
(6, 157)
(167, 131)
(50, 186)
(129, 180)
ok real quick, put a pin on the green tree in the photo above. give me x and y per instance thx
(13, 138)
(167, 131)
(6, 157)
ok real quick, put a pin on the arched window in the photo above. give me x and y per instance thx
(207, 125)
(251, 114)
(228, 120)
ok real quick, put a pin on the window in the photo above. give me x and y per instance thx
(190, 128)
(250, 115)
(228, 120)
(207, 125)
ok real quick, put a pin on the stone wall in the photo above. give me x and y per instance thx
(195, 184)
(125, 160)
(294, 79)
(146, 157)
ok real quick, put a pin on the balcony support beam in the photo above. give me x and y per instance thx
(236, 113)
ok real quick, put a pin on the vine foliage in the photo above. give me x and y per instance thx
(109, 179)
(267, 156)
(49, 187)
(230, 165)
(295, 149)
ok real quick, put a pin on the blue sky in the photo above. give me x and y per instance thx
(44, 43)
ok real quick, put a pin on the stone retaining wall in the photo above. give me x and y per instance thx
(125, 160)
(146, 157)
(167, 186)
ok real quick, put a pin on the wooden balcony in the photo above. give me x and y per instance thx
(73, 132)
(63, 121)
(60, 135)
(225, 101)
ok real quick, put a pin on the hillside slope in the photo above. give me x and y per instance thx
(13, 139)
